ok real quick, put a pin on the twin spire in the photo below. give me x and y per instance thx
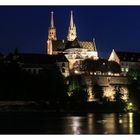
(71, 31)
(52, 20)
(71, 20)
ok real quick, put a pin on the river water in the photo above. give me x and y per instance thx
(57, 123)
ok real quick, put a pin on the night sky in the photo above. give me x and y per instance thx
(26, 27)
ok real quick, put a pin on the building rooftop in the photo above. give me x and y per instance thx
(30, 58)
(61, 45)
(128, 56)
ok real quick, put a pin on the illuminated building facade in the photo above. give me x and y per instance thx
(74, 50)
(129, 61)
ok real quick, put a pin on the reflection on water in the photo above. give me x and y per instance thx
(53, 123)
(73, 125)
(130, 123)
(100, 124)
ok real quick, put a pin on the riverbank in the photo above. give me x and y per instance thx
(33, 106)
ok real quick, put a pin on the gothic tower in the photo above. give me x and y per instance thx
(51, 35)
(72, 29)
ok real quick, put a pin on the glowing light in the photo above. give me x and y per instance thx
(120, 121)
(76, 71)
(90, 122)
(130, 115)
(76, 125)
(90, 95)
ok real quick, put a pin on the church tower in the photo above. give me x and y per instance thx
(72, 29)
(51, 35)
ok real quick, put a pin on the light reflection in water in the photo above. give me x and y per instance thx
(76, 125)
(93, 123)
(90, 124)
(130, 116)
(73, 125)
(109, 125)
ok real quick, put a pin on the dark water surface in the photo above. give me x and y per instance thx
(55, 123)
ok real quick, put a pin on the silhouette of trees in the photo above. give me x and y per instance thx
(98, 92)
(134, 90)
(120, 103)
(75, 90)
(114, 67)
(102, 65)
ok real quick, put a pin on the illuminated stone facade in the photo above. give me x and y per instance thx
(74, 50)
(108, 84)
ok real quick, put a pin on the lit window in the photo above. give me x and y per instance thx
(126, 69)
(122, 69)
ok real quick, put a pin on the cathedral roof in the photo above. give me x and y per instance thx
(87, 45)
(61, 45)
(72, 44)
(128, 56)
(58, 45)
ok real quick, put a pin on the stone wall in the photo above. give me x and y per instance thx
(108, 83)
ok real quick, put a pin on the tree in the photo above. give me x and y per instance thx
(98, 92)
(134, 92)
(120, 103)
(74, 85)
(114, 67)
(118, 94)
(75, 90)
(90, 65)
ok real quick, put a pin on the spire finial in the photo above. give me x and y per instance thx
(52, 20)
(71, 20)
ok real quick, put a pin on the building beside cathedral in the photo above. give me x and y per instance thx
(129, 61)
(74, 49)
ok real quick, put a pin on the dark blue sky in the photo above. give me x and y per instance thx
(26, 27)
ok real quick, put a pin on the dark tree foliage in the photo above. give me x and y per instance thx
(90, 65)
(75, 90)
(102, 65)
(114, 67)
(98, 92)
(134, 92)
(119, 102)
(17, 84)
(78, 97)
(118, 94)
(134, 73)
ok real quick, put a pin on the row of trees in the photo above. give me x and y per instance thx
(101, 65)
(16, 84)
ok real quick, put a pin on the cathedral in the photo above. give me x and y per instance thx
(74, 50)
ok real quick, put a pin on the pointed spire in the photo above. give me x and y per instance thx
(94, 44)
(52, 20)
(72, 29)
(71, 20)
